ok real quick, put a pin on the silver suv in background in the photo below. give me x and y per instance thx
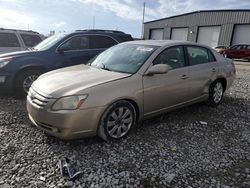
(18, 40)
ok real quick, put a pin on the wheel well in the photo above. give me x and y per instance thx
(135, 106)
(27, 69)
(224, 83)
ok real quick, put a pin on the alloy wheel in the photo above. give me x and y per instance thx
(119, 122)
(28, 81)
(218, 92)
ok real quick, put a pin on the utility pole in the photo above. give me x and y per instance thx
(143, 15)
(93, 22)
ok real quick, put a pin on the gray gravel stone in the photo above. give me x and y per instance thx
(171, 150)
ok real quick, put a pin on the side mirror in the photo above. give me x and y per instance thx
(157, 69)
(63, 48)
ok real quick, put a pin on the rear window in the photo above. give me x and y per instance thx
(9, 40)
(30, 40)
(98, 41)
(126, 38)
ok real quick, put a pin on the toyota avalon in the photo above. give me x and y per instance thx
(126, 84)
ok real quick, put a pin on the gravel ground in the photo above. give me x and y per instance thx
(173, 150)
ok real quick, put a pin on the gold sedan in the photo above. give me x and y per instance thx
(126, 84)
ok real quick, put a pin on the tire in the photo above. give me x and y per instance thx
(216, 91)
(117, 121)
(24, 81)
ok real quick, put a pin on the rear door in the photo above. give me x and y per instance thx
(9, 42)
(244, 52)
(241, 52)
(203, 69)
(162, 91)
(235, 51)
(99, 43)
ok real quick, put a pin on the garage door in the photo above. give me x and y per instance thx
(209, 36)
(179, 34)
(241, 34)
(156, 34)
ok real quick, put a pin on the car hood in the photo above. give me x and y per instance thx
(17, 54)
(73, 80)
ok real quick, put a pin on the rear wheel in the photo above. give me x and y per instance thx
(216, 92)
(24, 81)
(117, 121)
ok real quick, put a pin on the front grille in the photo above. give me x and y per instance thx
(39, 100)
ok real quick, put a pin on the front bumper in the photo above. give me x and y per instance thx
(65, 124)
(6, 84)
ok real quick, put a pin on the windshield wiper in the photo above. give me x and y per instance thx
(105, 68)
(32, 49)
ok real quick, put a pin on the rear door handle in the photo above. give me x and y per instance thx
(184, 77)
(213, 70)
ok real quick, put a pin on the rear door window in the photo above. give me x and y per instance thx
(98, 41)
(30, 40)
(9, 40)
(197, 55)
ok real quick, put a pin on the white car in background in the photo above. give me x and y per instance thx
(18, 40)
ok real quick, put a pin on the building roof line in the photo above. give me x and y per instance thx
(200, 11)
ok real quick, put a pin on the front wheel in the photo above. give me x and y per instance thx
(216, 92)
(117, 120)
(24, 81)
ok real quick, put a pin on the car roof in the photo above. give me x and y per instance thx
(95, 31)
(160, 43)
(19, 31)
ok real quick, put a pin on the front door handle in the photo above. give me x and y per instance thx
(213, 70)
(184, 77)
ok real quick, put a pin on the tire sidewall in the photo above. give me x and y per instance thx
(102, 129)
(19, 91)
(211, 93)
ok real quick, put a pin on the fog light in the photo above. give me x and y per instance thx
(2, 79)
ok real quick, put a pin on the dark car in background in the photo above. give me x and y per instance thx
(18, 70)
(237, 51)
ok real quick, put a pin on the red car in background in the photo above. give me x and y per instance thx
(237, 51)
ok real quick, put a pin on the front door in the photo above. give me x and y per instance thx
(76, 50)
(162, 91)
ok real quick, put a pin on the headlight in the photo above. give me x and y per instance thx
(4, 61)
(69, 103)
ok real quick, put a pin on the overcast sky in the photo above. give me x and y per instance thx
(124, 15)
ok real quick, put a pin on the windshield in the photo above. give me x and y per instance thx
(47, 43)
(125, 58)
